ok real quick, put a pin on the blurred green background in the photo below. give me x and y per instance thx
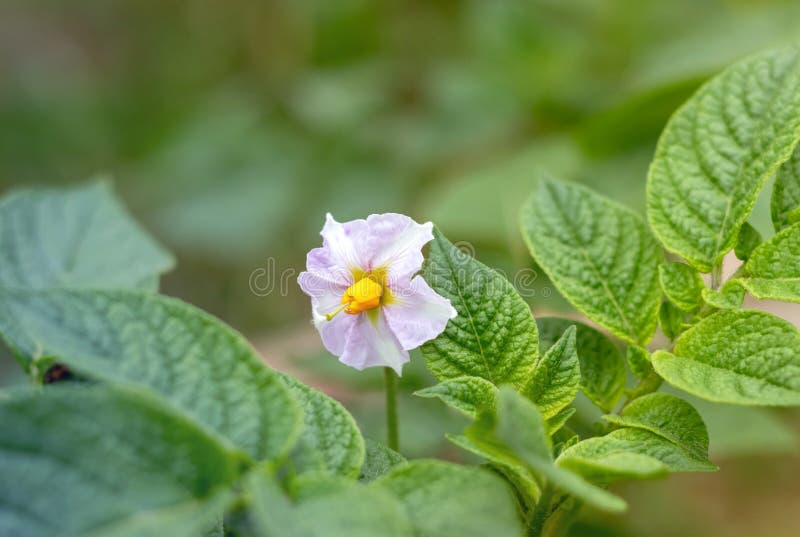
(230, 128)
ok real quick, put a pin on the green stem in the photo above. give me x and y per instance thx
(716, 276)
(392, 436)
(541, 512)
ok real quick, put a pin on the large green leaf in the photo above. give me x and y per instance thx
(602, 366)
(494, 335)
(773, 269)
(555, 380)
(444, 499)
(75, 237)
(334, 509)
(517, 433)
(378, 460)
(330, 440)
(599, 255)
(785, 201)
(106, 461)
(667, 416)
(468, 395)
(734, 356)
(192, 359)
(718, 150)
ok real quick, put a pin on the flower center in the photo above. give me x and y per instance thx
(363, 295)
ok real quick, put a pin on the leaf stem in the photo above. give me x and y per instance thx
(716, 276)
(541, 512)
(392, 435)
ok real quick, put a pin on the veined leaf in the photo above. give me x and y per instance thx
(75, 237)
(639, 361)
(468, 395)
(330, 440)
(729, 296)
(669, 417)
(682, 285)
(599, 255)
(335, 509)
(478, 502)
(556, 378)
(517, 433)
(64, 452)
(558, 421)
(494, 335)
(717, 151)
(735, 356)
(773, 270)
(379, 460)
(748, 240)
(190, 358)
(671, 318)
(785, 201)
(602, 366)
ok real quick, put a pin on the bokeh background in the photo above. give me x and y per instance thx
(230, 129)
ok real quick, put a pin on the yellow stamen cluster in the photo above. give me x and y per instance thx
(362, 296)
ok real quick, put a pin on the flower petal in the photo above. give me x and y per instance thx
(342, 247)
(396, 241)
(417, 313)
(371, 343)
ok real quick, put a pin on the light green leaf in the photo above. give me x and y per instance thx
(517, 433)
(444, 499)
(337, 509)
(682, 285)
(785, 201)
(639, 361)
(558, 421)
(599, 255)
(378, 461)
(669, 417)
(494, 335)
(773, 270)
(468, 395)
(747, 241)
(735, 356)
(602, 365)
(192, 359)
(622, 454)
(717, 151)
(556, 378)
(75, 237)
(330, 440)
(729, 297)
(64, 453)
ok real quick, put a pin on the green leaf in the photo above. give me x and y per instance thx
(444, 499)
(682, 285)
(494, 335)
(337, 509)
(558, 421)
(599, 255)
(729, 297)
(468, 395)
(671, 319)
(773, 270)
(785, 200)
(735, 356)
(189, 357)
(602, 365)
(748, 240)
(717, 151)
(378, 461)
(330, 440)
(623, 454)
(667, 416)
(555, 380)
(518, 434)
(639, 361)
(106, 461)
(75, 237)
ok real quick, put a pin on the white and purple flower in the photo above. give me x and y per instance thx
(368, 302)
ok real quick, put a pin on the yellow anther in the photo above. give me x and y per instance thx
(363, 295)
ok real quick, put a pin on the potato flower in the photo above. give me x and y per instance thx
(368, 302)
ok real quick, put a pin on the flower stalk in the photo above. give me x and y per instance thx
(392, 429)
